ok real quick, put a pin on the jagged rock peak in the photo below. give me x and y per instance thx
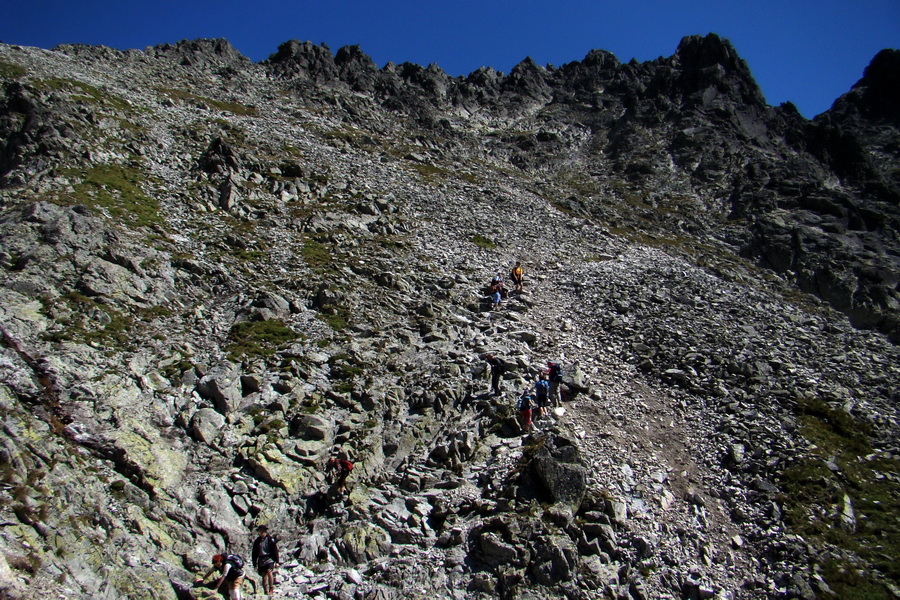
(353, 55)
(709, 60)
(201, 52)
(700, 52)
(602, 59)
(303, 59)
(879, 89)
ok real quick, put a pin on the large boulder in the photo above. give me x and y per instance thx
(558, 468)
(206, 425)
(555, 560)
(222, 386)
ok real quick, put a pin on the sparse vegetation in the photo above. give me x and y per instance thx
(483, 242)
(11, 71)
(83, 92)
(115, 190)
(88, 321)
(335, 317)
(189, 97)
(842, 463)
(259, 338)
(317, 256)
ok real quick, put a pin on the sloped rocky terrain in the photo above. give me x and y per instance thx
(218, 273)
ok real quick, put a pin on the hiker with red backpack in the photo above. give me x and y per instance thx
(336, 470)
(232, 568)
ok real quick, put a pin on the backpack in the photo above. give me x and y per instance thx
(237, 564)
(556, 373)
(526, 402)
(542, 388)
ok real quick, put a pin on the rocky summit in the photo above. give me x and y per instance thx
(217, 275)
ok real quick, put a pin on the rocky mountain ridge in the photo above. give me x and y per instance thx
(216, 272)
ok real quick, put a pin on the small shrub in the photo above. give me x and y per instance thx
(483, 242)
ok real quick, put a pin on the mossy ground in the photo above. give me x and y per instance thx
(190, 97)
(483, 242)
(842, 462)
(115, 190)
(259, 338)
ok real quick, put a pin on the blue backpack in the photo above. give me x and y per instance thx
(542, 388)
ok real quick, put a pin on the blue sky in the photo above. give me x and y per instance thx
(808, 52)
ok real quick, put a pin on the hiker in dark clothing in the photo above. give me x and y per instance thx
(337, 469)
(541, 396)
(265, 558)
(554, 374)
(497, 369)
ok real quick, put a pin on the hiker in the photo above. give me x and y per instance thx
(265, 558)
(517, 276)
(554, 374)
(525, 406)
(495, 300)
(232, 568)
(498, 285)
(541, 396)
(337, 469)
(497, 369)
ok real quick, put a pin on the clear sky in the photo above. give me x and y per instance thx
(808, 52)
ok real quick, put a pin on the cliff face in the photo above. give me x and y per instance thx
(216, 274)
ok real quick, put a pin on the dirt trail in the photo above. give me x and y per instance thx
(640, 445)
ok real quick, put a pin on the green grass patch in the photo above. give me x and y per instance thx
(849, 583)
(11, 70)
(189, 97)
(258, 338)
(317, 256)
(335, 317)
(430, 173)
(343, 367)
(243, 254)
(176, 369)
(115, 189)
(85, 93)
(92, 323)
(483, 242)
(842, 463)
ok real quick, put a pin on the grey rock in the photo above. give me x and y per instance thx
(207, 424)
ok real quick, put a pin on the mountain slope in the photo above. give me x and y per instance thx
(218, 273)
